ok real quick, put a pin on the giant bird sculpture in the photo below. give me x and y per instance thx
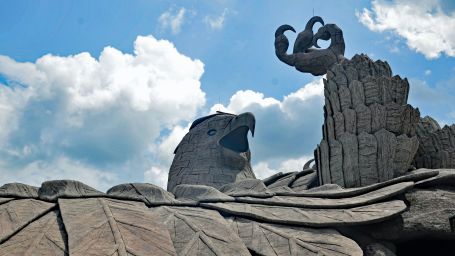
(221, 145)
(306, 59)
(224, 211)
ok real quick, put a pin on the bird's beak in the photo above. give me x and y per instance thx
(235, 135)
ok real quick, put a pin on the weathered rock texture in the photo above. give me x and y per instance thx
(436, 145)
(369, 130)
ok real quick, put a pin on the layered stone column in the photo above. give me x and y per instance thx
(369, 130)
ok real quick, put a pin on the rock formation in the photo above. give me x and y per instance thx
(436, 145)
(369, 131)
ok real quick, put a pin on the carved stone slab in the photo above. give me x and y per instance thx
(16, 214)
(272, 239)
(308, 202)
(103, 226)
(197, 231)
(312, 217)
(45, 236)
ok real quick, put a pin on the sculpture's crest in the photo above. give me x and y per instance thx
(305, 57)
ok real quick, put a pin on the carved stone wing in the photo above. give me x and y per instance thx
(315, 202)
(312, 217)
(103, 226)
(198, 231)
(45, 236)
(272, 239)
(16, 214)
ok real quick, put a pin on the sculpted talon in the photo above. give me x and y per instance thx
(311, 60)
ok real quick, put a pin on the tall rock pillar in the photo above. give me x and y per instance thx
(369, 130)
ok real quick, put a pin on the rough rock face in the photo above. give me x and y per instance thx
(436, 145)
(214, 152)
(369, 131)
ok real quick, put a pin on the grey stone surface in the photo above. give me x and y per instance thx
(312, 217)
(305, 182)
(330, 128)
(45, 236)
(350, 160)
(336, 191)
(338, 120)
(350, 120)
(196, 231)
(148, 193)
(336, 162)
(387, 144)
(378, 117)
(16, 214)
(103, 226)
(251, 187)
(363, 119)
(405, 150)
(393, 117)
(372, 91)
(368, 151)
(272, 239)
(200, 193)
(327, 203)
(436, 145)
(214, 152)
(18, 190)
(283, 181)
(374, 110)
(357, 93)
(54, 189)
(430, 216)
(311, 60)
(345, 97)
(445, 177)
(325, 163)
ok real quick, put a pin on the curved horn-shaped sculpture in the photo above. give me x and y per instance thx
(305, 38)
(312, 60)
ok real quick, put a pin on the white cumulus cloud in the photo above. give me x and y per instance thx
(425, 26)
(174, 21)
(78, 114)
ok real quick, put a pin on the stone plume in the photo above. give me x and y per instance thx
(369, 130)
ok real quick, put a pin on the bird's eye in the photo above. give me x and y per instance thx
(211, 132)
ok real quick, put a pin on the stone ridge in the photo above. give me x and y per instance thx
(369, 130)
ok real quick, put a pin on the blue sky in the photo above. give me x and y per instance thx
(102, 91)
